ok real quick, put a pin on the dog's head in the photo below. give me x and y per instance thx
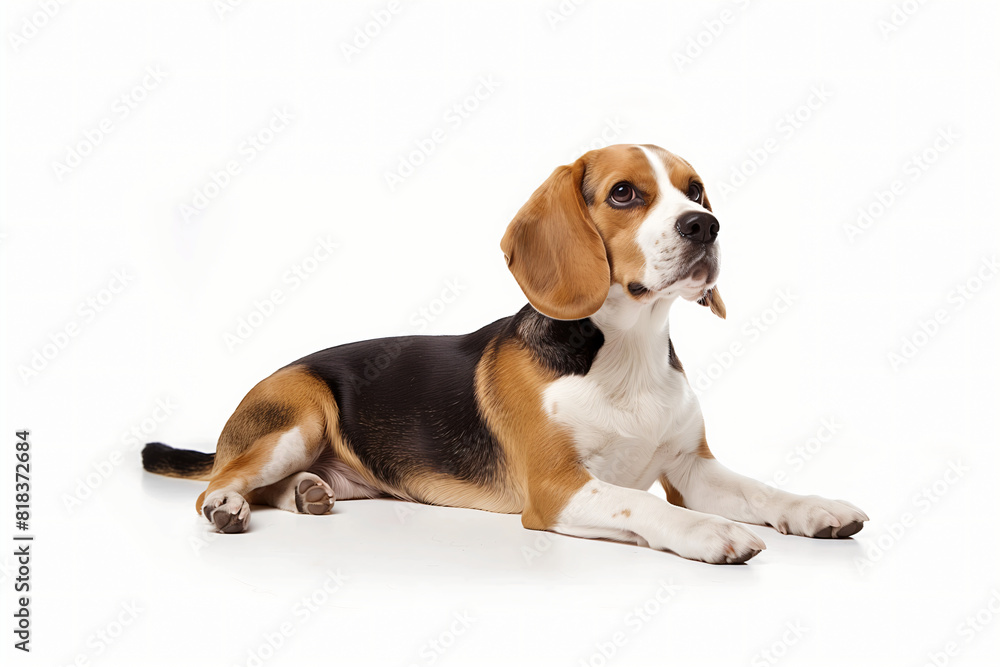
(628, 217)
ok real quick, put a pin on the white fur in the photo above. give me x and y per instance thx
(632, 412)
(660, 242)
(633, 417)
(282, 493)
(600, 509)
(287, 457)
(709, 486)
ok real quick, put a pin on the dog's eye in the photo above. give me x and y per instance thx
(695, 192)
(623, 193)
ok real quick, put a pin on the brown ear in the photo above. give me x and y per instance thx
(714, 301)
(554, 250)
(704, 199)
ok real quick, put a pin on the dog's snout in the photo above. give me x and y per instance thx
(698, 226)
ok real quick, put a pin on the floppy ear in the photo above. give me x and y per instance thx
(714, 302)
(712, 298)
(554, 250)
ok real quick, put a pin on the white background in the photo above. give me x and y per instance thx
(110, 535)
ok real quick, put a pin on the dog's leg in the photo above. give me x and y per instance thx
(303, 492)
(271, 466)
(601, 510)
(699, 482)
(559, 494)
(278, 431)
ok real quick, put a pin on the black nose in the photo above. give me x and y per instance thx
(698, 226)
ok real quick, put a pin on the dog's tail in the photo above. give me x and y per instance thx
(186, 463)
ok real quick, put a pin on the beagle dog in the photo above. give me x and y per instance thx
(566, 413)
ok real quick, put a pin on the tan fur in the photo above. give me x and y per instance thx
(294, 398)
(203, 477)
(618, 227)
(289, 398)
(703, 451)
(682, 174)
(450, 492)
(542, 462)
(566, 247)
(552, 228)
(674, 496)
(713, 300)
(554, 251)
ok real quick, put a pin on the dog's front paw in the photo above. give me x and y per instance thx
(229, 511)
(716, 540)
(813, 516)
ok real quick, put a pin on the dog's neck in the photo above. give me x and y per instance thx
(629, 332)
(622, 317)
(634, 360)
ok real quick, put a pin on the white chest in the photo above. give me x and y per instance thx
(631, 413)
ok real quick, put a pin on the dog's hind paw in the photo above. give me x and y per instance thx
(313, 495)
(229, 511)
